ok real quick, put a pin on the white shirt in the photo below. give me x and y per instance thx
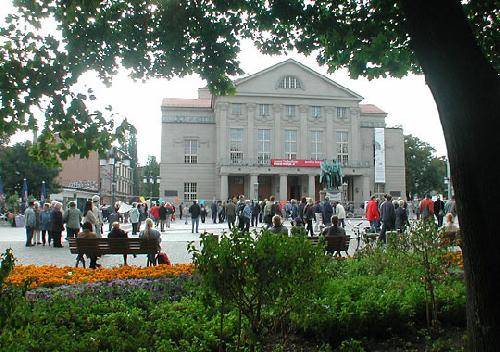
(340, 211)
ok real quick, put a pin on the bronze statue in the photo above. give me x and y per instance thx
(331, 174)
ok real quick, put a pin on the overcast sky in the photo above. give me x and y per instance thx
(408, 101)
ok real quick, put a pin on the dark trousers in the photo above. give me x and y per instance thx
(214, 218)
(246, 224)
(255, 219)
(385, 227)
(135, 228)
(70, 233)
(310, 227)
(43, 232)
(56, 237)
(203, 219)
(241, 223)
(230, 222)
(162, 224)
(29, 236)
(440, 220)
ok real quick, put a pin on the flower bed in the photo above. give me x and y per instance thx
(51, 276)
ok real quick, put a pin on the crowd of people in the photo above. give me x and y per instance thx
(394, 215)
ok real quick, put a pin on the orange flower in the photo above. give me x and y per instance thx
(49, 275)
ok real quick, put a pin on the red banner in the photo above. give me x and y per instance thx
(295, 163)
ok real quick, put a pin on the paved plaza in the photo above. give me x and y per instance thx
(174, 243)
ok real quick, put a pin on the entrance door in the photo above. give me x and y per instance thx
(236, 186)
(293, 188)
(264, 187)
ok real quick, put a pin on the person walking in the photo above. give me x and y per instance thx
(230, 213)
(439, 211)
(30, 222)
(45, 222)
(154, 211)
(134, 215)
(163, 216)
(308, 216)
(373, 214)
(388, 217)
(181, 209)
(73, 218)
(118, 233)
(426, 208)
(247, 215)
(56, 218)
(340, 212)
(88, 215)
(150, 233)
(36, 230)
(255, 213)
(318, 216)
(203, 213)
(214, 211)
(195, 211)
(450, 207)
(327, 212)
(240, 207)
(170, 212)
(400, 216)
(98, 215)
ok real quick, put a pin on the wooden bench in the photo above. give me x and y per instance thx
(333, 244)
(101, 246)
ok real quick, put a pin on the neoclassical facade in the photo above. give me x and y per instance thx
(270, 136)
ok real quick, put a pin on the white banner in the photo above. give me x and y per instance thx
(379, 155)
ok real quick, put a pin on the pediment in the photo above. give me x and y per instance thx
(310, 83)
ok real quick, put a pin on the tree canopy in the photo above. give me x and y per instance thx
(152, 171)
(16, 164)
(425, 172)
(40, 68)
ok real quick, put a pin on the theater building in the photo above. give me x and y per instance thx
(270, 137)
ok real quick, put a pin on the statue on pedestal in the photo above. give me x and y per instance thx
(331, 175)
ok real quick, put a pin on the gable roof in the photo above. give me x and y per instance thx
(305, 68)
(371, 109)
(186, 103)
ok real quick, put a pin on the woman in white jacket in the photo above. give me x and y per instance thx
(134, 216)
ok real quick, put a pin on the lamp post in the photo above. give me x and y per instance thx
(112, 158)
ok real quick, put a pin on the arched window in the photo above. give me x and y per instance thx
(289, 82)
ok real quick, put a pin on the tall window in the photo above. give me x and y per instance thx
(291, 144)
(190, 151)
(290, 110)
(317, 145)
(236, 108)
(343, 147)
(289, 82)
(263, 146)
(316, 111)
(236, 145)
(341, 112)
(190, 189)
(264, 109)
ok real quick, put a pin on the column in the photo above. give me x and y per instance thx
(224, 187)
(278, 139)
(312, 187)
(283, 187)
(254, 186)
(330, 134)
(251, 152)
(303, 134)
(356, 143)
(222, 131)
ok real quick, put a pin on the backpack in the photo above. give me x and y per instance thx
(162, 258)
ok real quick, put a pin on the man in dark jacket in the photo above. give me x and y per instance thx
(255, 213)
(163, 216)
(388, 217)
(195, 212)
(214, 209)
(230, 213)
(327, 212)
(439, 211)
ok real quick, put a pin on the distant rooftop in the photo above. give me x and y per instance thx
(371, 109)
(186, 103)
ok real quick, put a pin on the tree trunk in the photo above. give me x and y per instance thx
(466, 89)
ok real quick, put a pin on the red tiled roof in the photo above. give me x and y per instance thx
(371, 109)
(187, 103)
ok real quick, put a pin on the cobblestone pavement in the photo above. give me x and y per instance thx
(174, 243)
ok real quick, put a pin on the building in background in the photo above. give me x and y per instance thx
(270, 136)
(81, 178)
